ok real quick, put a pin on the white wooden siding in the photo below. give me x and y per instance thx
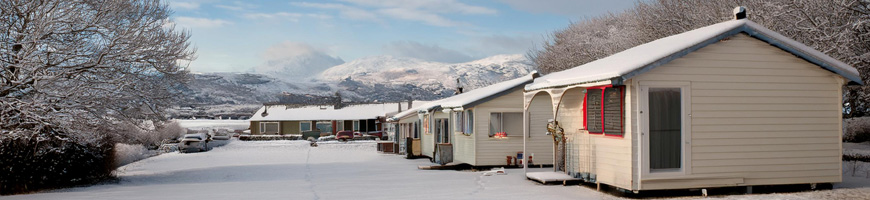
(490, 151)
(760, 116)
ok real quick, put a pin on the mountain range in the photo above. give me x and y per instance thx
(370, 79)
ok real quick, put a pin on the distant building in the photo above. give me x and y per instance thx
(283, 119)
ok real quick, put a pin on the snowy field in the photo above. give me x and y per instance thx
(293, 170)
(213, 123)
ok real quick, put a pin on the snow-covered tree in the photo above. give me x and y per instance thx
(76, 66)
(72, 74)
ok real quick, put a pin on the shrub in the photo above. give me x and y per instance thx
(45, 162)
(129, 153)
(857, 130)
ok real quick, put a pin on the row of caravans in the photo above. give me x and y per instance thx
(730, 104)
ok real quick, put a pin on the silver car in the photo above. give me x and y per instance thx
(195, 142)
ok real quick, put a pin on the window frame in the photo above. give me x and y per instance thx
(468, 123)
(458, 122)
(305, 122)
(602, 116)
(264, 124)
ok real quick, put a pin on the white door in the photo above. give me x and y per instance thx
(665, 128)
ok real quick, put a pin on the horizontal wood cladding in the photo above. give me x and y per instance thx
(759, 116)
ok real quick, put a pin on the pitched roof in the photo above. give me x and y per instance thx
(473, 97)
(321, 112)
(637, 60)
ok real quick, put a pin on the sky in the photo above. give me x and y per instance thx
(235, 36)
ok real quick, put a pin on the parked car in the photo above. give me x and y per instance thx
(344, 135)
(221, 134)
(194, 142)
(379, 134)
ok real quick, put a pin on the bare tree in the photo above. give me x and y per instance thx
(82, 66)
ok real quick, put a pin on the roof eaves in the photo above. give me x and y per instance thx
(496, 95)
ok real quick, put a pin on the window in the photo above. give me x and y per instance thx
(355, 125)
(469, 122)
(603, 110)
(613, 111)
(501, 125)
(593, 111)
(269, 127)
(324, 127)
(339, 125)
(458, 122)
(441, 131)
(495, 125)
(305, 126)
(426, 124)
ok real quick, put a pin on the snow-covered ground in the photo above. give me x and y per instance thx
(293, 170)
(213, 123)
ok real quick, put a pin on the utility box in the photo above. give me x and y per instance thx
(412, 147)
(444, 153)
(386, 147)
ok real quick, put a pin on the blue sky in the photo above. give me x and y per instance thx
(238, 35)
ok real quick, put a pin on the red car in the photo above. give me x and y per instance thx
(344, 135)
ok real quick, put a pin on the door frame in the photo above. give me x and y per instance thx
(686, 147)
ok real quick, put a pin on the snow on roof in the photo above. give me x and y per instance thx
(639, 59)
(326, 112)
(413, 111)
(470, 98)
(473, 97)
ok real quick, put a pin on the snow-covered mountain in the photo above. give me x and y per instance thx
(390, 70)
(380, 78)
(301, 67)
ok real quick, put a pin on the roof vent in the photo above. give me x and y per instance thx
(740, 13)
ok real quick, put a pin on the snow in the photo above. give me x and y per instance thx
(472, 96)
(468, 97)
(338, 170)
(550, 176)
(402, 70)
(636, 58)
(856, 148)
(326, 112)
(294, 170)
(211, 124)
(414, 110)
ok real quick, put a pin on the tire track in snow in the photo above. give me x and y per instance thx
(308, 176)
(480, 185)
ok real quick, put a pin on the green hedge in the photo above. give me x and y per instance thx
(32, 163)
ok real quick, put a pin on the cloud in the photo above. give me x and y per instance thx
(296, 60)
(285, 15)
(571, 8)
(502, 44)
(425, 52)
(176, 5)
(345, 11)
(289, 49)
(193, 22)
(431, 12)
(414, 15)
(431, 6)
(237, 6)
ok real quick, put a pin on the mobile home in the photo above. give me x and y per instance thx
(483, 127)
(730, 104)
